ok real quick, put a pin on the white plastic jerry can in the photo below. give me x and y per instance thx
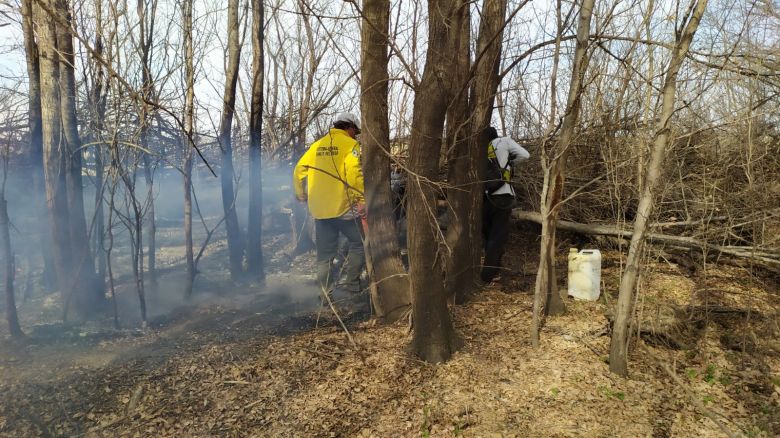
(584, 274)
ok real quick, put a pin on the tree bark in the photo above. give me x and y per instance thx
(434, 338)
(87, 296)
(98, 102)
(459, 279)
(151, 224)
(145, 36)
(234, 241)
(390, 283)
(465, 235)
(6, 255)
(546, 291)
(35, 152)
(618, 353)
(254, 251)
(187, 143)
(54, 155)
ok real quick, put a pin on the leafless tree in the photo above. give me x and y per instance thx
(62, 162)
(546, 290)
(235, 244)
(434, 338)
(254, 253)
(618, 355)
(188, 141)
(390, 283)
(6, 253)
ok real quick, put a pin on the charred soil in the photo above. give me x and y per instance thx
(706, 347)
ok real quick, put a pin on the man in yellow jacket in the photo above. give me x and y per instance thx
(334, 191)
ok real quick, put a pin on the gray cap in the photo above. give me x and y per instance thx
(349, 118)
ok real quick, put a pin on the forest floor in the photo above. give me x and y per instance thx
(247, 363)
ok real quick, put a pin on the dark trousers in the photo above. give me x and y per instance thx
(496, 215)
(327, 236)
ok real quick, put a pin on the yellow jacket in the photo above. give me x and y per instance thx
(334, 180)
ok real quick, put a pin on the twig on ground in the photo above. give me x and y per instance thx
(712, 415)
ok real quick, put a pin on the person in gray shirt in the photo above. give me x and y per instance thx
(498, 203)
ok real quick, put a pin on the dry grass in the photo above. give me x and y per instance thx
(226, 374)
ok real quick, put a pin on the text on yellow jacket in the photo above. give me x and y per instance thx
(334, 179)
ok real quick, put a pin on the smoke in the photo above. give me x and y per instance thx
(39, 302)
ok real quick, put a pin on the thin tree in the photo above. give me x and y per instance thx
(546, 293)
(147, 12)
(434, 338)
(390, 283)
(618, 353)
(7, 257)
(97, 98)
(234, 241)
(188, 142)
(254, 250)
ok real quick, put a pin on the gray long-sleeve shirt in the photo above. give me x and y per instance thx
(508, 150)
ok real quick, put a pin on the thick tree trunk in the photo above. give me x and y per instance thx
(54, 155)
(254, 251)
(86, 296)
(460, 280)
(6, 255)
(390, 283)
(234, 241)
(35, 153)
(187, 143)
(618, 353)
(546, 292)
(465, 237)
(434, 338)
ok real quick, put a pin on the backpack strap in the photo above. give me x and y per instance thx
(506, 170)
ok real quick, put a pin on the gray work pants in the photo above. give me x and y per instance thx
(327, 236)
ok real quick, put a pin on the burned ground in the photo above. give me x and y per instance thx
(247, 363)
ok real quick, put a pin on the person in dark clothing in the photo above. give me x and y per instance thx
(498, 204)
(398, 189)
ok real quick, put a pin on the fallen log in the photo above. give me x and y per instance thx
(765, 258)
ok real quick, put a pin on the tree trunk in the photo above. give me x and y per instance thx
(98, 102)
(254, 251)
(8, 269)
(187, 143)
(618, 353)
(434, 338)
(390, 282)
(87, 296)
(467, 201)
(35, 153)
(546, 293)
(151, 225)
(138, 260)
(459, 280)
(54, 155)
(145, 36)
(100, 227)
(234, 241)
